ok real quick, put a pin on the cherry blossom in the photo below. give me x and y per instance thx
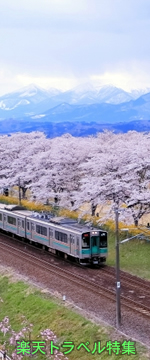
(72, 170)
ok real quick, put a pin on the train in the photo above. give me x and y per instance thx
(59, 235)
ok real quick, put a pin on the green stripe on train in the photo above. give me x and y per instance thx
(88, 251)
(61, 245)
(38, 237)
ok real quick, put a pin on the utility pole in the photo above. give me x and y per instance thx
(19, 191)
(118, 309)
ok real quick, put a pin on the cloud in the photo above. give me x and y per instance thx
(65, 39)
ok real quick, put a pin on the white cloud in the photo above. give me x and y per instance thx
(124, 80)
(61, 42)
(61, 83)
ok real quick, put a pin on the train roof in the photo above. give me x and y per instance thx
(13, 207)
(73, 224)
(49, 218)
(66, 224)
(16, 209)
(23, 212)
(60, 220)
(69, 223)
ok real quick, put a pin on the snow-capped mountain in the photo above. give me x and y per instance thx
(80, 111)
(139, 92)
(88, 94)
(25, 101)
(34, 100)
(32, 93)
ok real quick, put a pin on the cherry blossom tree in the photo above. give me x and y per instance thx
(25, 333)
(121, 175)
(69, 170)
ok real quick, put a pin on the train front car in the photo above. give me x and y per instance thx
(94, 247)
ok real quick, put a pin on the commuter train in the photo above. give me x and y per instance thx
(61, 236)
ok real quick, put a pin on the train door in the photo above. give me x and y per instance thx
(32, 230)
(4, 222)
(28, 229)
(77, 246)
(94, 245)
(72, 244)
(50, 237)
(18, 226)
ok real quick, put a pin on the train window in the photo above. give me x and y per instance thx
(38, 229)
(23, 224)
(28, 225)
(41, 230)
(56, 235)
(61, 236)
(72, 239)
(11, 220)
(103, 240)
(64, 237)
(0, 217)
(86, 240)
(77, 241)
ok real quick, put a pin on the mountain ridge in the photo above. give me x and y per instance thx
(34, 108)
(38, 99)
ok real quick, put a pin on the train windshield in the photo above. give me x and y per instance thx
(86, 240)
(103, 239)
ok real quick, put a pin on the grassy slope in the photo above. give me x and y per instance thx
(43, 312)
(134, 256)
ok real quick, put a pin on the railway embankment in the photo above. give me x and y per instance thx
(68, 322)
(84, 289)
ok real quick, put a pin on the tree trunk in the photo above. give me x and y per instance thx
(23, 192)
(93, 209)
(56, 199)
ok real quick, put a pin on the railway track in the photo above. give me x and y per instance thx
(131, 285)
(128, 279)
(76, 279)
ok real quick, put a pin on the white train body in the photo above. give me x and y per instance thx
(58, 235)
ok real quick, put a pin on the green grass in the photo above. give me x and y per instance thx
(43, 312)
(134, 255)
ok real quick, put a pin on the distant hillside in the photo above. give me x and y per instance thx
(33, 109)
(52, 129)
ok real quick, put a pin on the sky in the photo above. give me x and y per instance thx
(64, 43)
